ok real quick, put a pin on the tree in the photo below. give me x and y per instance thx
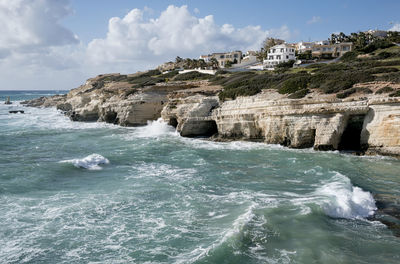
(214, 63)
(228, 64)
(178, 59)
(201, 64)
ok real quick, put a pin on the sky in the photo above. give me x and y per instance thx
(58, 44)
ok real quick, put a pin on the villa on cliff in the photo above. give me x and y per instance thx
(279, 54)
(327, 50)
(223, 58)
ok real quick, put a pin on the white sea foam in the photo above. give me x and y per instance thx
(156, 129)
(45, 118)
(90, 162)
(343, 200)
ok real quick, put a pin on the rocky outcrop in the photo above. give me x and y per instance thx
(191, 115)
(45, 101)
(113, 102)
(370, 124)
(381, 127)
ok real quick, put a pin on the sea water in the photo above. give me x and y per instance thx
(73, 192)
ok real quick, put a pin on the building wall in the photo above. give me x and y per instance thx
(333, 50)
(278, 54)
(223, 58)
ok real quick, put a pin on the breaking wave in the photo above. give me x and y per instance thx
(156, 128)
(90, 162)
(343, 200)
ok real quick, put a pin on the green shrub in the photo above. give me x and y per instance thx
(349, 56)
(194, 75)
(219, 72)
(377, 44)
(170, 74)
(381, 70)
(386, 89)
(346, 93)
(239, 91)
(365, 90)
(142, 81)
(395, 94)
(294, 84)
(151, 73)
(315, 66)
(299, 94)
(287, 64)
(384, 55)
(114, 78)
(389, 77)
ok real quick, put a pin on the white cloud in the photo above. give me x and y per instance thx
(396, 27)
(37, 52)
(196, 10)
(314, 19)
(29, 25)
(175, 32)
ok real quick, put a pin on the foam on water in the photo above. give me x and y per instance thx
(90, 162)
(44, 118)
(343, 200)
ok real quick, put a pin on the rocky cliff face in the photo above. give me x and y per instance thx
(366, 124)
(113, 102)
(369, 124)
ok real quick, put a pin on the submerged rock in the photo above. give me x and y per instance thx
(8, 102)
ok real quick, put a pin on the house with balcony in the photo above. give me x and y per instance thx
(327, 50)
(279, 54)
(223, 58)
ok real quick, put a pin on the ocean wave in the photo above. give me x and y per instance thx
(90, 162)
(340, 199)
(45, 118)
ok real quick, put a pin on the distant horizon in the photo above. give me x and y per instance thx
(58, 45)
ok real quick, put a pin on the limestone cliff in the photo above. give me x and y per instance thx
(369, 124)
(365, 123)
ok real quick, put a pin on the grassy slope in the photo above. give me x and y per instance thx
(335, 78)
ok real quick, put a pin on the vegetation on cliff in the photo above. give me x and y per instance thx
(338, 78)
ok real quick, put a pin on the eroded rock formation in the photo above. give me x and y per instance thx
(365, 124)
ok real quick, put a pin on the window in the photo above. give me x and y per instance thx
(278, 57)
(273, 50)
(287, 56)
(271, 57)
(282, 50)
(222, 56)
(235, 56)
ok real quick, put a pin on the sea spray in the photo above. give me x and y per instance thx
(340, 199)
(90, 162)
(157, 128)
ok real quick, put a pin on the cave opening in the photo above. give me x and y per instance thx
(111, 117)
(351, 137)
(212, 128)
(173, 122)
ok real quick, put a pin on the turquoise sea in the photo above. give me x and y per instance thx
(74, 192)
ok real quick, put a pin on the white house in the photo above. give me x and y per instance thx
(278, 54)
(302, 46)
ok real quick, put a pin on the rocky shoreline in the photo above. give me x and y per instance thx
(367, 124)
